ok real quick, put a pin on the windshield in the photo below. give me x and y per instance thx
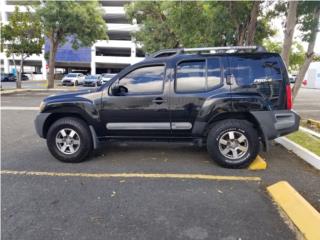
(91, 77)
(72, 75)
(108, 75)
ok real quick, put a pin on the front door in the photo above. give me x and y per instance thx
(139, 105)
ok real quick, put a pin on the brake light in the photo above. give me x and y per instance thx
(304, 82)
(289, 97)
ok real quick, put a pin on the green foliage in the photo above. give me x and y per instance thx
(80, 20)
(171, 24)
(297, 54)
(306, 22)
(305, 10)
(316, 58)
(22, 35)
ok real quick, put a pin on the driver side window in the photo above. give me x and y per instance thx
(144, 80)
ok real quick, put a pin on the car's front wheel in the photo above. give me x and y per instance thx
(69, 140)
(233, 143)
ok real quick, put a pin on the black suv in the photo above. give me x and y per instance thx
(232, 99)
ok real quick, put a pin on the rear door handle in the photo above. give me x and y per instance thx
(158, 100)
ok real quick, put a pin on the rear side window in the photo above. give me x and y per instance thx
(255, 70)
(260, 72)
(198, 76)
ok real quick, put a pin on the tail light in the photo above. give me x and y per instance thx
(289, 97)
(304, 82)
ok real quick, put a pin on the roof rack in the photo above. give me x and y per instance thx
(230, 49)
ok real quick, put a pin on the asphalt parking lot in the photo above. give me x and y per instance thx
(46, 199)
(307, 103)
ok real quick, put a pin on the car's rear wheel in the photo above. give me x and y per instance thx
(233, 143)
(69, 140)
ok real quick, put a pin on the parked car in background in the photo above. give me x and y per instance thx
(72, 79)
(92, 80)
(292, 78)
(8, 77)
(24, 77)
(106, 77)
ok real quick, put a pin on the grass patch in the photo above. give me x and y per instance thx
(306, 140)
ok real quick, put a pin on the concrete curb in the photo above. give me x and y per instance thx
(302, 214)
(309, 131)
(303, 153)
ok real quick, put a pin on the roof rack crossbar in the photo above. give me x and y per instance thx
(211, 49)
(219, 48)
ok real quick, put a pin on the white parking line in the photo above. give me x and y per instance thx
(308, 110)
(19, 108)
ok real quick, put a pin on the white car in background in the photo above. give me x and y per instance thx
(73, 79)
(106, 77)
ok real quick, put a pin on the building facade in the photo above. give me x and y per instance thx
(103, 57)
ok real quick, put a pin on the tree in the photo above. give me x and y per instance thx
(305, 16)
(310, 25)
(291, 22)
(80, 22)
(22, 37)
(168, 24)
(296, 56)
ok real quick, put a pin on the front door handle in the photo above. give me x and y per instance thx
(159, 100)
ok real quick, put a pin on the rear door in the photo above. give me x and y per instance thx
(259, 82)
(193, 82)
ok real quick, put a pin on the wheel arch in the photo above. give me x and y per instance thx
(247, 116)
(53, 117)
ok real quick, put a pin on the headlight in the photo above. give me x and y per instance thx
(42, 106)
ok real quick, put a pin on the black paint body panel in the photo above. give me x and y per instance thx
(98, 107)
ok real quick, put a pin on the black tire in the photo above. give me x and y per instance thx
(238, 127)
(76, 83)
(83, 131)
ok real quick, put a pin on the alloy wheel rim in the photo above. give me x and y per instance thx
(68, 141)
(233, 145)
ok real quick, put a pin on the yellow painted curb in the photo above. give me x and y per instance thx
(302, 214)
(258, 164)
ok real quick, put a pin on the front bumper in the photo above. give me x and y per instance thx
(90, 84)
(39, 122)
(277, 123)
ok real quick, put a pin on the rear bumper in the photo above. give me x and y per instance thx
(277, 123)
(39, 123)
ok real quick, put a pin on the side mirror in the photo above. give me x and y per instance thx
(119, 90)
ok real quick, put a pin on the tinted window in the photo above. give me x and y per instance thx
(255, 70)
(260, 72)
(191, 76)
(144, 80)
(214, 73)
(72, 75)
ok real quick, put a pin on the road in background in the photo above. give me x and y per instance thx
(307, 103)
(35, 85)
(62, 207)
